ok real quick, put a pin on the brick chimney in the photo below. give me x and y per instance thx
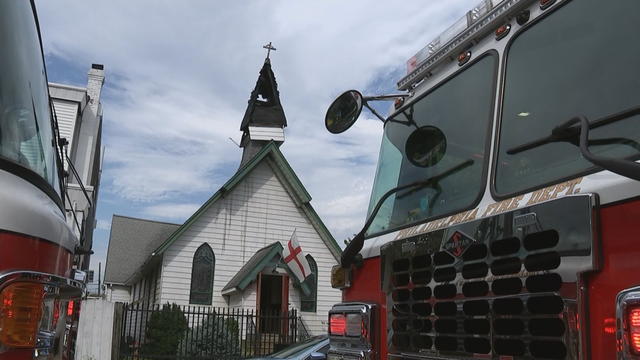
(94, 86)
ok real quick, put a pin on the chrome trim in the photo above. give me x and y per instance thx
(28, 210)
(347, 354)
(575, 248)
(582, 296)
(360, 347)
(67, 288)
(55, 286)
(623, 300)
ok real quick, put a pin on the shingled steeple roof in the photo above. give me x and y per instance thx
(264, 108)
(264, 120)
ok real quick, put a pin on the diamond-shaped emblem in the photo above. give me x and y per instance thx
(457, 243)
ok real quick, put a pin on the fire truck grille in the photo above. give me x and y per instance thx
(512, 296)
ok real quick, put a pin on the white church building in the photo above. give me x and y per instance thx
(231, 252)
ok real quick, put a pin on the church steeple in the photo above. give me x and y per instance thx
(264, 119)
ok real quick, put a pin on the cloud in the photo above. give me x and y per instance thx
(171, 211)
(179, 76)
(103, 224)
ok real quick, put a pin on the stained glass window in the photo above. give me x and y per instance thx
(308, 302)
(204, 262)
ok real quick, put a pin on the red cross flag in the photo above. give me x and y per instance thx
(295, 258)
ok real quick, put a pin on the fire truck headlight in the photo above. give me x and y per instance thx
(20, 314)
(352, 330)
(356, 325)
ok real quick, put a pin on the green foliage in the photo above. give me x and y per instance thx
(165, 330)
(216, 337)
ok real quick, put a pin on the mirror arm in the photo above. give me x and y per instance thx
(366, 99)
(366, 104)
(383, 97)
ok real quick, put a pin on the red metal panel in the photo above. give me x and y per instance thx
(366, 286)
(620, 234)
(21, 252)
(20, 354)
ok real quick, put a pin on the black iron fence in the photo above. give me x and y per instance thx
(149, 332)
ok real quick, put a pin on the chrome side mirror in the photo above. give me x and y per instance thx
(343, 112)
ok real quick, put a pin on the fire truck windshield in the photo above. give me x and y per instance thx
(25, 122)
(563, 66)
(461, 108)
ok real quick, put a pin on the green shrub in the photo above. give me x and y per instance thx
(165, 329)
(216, 337)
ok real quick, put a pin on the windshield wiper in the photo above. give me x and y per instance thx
(579, 136)
(354, 247)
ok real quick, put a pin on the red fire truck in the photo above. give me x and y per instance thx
(37, 281)
(504, 218)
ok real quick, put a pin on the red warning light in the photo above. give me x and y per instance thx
(633, 320)
(70, 308)
(464, 57)
(609, 326)
(503, 31)
(337, 324)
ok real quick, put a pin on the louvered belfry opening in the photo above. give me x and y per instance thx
(512, 292)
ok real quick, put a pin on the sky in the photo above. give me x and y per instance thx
(179, 75)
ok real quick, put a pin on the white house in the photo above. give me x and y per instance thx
(79, 114)
(229, 253)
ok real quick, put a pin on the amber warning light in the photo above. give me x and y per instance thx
(20, 313)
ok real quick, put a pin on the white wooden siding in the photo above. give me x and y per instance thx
(67, 114)
(256, 213)
(118, 293)
(266, 133)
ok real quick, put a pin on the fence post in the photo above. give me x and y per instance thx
(295, 325)
(117, 330)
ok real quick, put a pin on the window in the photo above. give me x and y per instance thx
(25, 119)
(579, 60)
(204, 262)
(308, 302)
(461, 108)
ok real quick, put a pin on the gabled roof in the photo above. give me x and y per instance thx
(270, 255)
(264, 108)
(249, 271)
(130, 243)
(285, 173)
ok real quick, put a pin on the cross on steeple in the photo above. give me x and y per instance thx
(269, 47)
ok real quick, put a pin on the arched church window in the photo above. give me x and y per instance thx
(204, 262)
(308, 302)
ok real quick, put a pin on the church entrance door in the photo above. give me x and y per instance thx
(272, 302)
